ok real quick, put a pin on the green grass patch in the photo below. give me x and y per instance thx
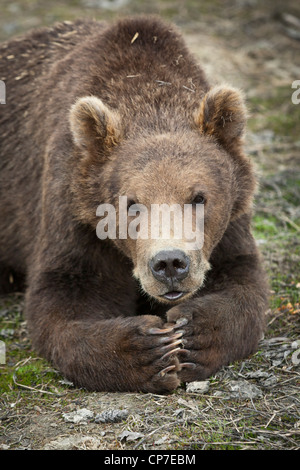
(276, 111)
(22, 369)
(264, 227)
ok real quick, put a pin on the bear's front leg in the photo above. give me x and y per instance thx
(222, 325)
(95, 344)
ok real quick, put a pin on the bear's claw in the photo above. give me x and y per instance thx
(163, 372)
(160, 331)
(170, 339)
(181, 322)
(188, 365)
(169, 353)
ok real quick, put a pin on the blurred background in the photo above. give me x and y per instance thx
(236, 40)
(217, 15)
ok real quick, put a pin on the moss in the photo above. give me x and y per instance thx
(275, 111)
(35, 374)
(265, 227)
(21, 364)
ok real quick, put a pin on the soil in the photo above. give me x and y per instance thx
(252, 404)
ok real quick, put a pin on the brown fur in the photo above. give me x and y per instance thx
(92, 114)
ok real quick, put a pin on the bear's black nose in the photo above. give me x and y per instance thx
(169, 265)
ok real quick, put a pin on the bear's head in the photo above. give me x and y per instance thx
(195, 175)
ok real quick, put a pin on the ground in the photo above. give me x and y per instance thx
(253, 404)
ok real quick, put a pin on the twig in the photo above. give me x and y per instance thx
(289, 221)
(153, 432)
(134, 38)
(280, 218)
(270, 420)
(161, 83)
(187, 88)
(32, 389)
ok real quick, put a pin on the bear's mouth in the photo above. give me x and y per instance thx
(173, 295)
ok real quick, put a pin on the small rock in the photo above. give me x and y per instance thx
(162, 440)
(73, 443)
(244, 389)
(198, 387)
(269, 381)
(4, 447)
(296, 357)
(7, 333)
(79, 416)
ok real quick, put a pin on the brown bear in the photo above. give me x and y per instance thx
(94, 112)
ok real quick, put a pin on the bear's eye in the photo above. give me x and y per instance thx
(199, 199)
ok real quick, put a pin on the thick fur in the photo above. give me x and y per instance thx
(94, 112)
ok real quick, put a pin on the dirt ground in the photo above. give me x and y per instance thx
(253, 404)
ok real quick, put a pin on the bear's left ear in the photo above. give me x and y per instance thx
(223, 114)
(94, 126)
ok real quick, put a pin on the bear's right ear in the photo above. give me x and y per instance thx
(94, 126)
